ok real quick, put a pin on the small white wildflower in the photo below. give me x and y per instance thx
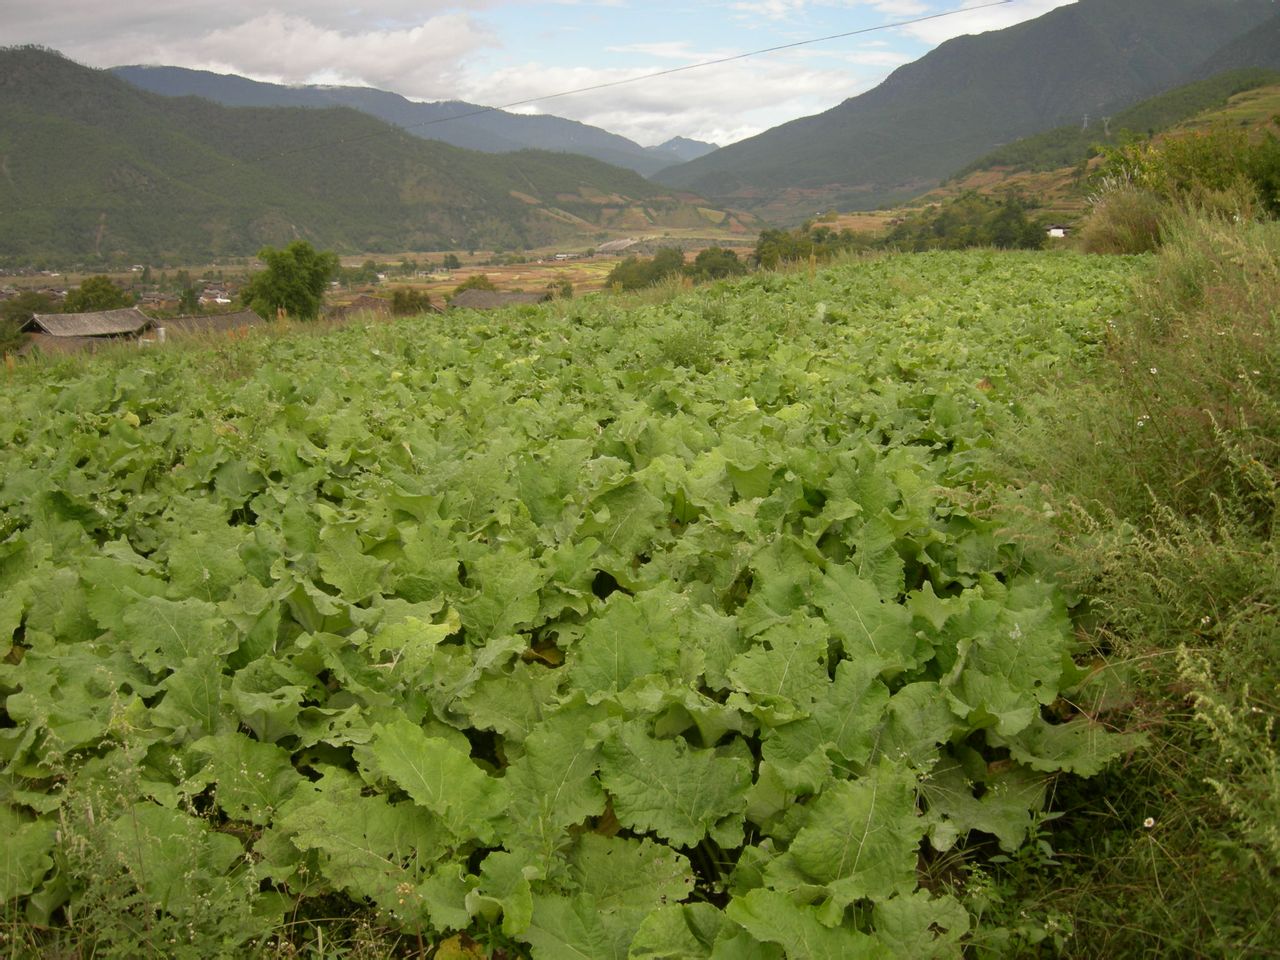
(1149, 822)
(1205, 621)
(1154, 371)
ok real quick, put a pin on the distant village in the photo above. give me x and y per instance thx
(174, 305)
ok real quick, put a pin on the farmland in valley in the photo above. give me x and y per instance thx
(601, 629)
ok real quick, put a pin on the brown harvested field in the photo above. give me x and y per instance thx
(869, 221)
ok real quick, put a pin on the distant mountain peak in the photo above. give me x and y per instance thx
(933, 116)
(471, 126)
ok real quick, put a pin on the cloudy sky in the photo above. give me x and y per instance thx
(497, 52)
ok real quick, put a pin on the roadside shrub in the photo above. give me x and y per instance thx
(970, 220)
(1162, 471)
(406, 301)
(1124, 220)
(11, 337)
(635, 273)
(479, 281)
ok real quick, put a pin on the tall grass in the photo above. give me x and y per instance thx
(1163, 466)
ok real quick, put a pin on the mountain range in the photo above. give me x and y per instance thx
(457, 122)
(92, 167)
(973, 93)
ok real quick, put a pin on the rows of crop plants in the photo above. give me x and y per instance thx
(599, 631)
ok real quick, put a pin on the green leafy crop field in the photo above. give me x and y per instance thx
(600, 630)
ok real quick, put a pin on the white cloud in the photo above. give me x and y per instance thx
(783, 9)
(934, 32)
(406, 48)
(720, 104)
(437, 49)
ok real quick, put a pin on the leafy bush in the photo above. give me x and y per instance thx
(479, 281)
(635, 273)
(406, 301)
(715, 263)
(294, 281)
(1124, 220)
(1162, 466)
(821, 243)
(97, 293)
(11, 337)
(970, 220)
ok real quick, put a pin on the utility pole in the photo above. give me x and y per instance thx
(1086, 122)
(1106, 127)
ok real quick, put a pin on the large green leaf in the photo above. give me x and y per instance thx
(631, 639)
(785, 671)
(1011, 649)
(165, 633)
(861, 839)
(868, 626)
(918, 925)
(252, 780)
(1006, 807)
(679, 793)
(624, 874)
(390, 853)
(571, 928)
(28, 853)
(1081, 746)
(773, 917)
(553, 785)
(440, 777)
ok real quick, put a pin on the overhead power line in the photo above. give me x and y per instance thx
(605, 85)
(718, 61)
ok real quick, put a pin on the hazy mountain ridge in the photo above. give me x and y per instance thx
(971, 94)
(97, 167)
(1072, 144)
(456, 122)
(1260, 47)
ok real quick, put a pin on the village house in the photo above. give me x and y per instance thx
(73, 332)
(222, 323)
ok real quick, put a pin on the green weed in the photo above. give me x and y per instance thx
(1161, 472)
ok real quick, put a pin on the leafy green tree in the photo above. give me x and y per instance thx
(666, 261)
(451, 261)
(715, 263)
(634, 273)
(406, 301)
(294, 280)
(479, 282)
(20, 309)
(11, 337)
(16, 314)
(970, 220)
(189, 301)
(776, 247)
(97, 293)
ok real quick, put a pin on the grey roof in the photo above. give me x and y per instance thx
(214, 323)
(494, 299)
(106, 323)
(44, 344)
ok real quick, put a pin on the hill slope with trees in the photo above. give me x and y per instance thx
(92, 168)
(456, 122)
(966, 97)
